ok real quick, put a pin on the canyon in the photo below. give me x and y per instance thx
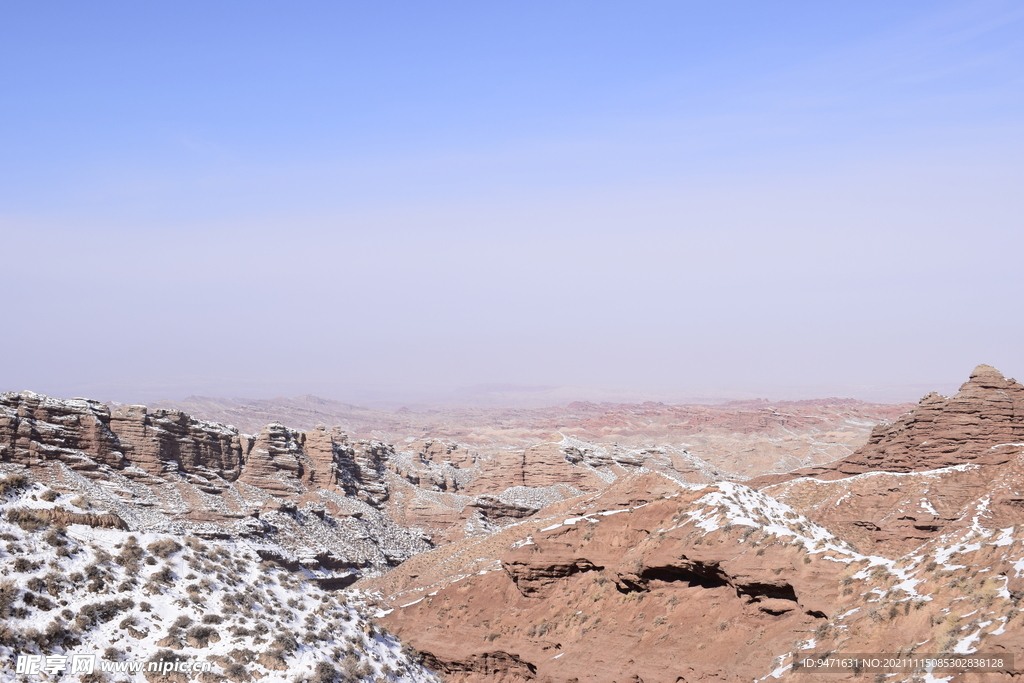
(588, 542)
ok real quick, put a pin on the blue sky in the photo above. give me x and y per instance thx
(404, 198)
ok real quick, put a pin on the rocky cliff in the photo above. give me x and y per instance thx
(312, 497)
(316, 496)
(916, 477)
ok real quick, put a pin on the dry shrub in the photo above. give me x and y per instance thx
(131, 554)
(324, 672)
(101, 612)
(164, 548)
(165, 575)
(8, 594)
(29, 520)
(13, 482)
(23, 565)
(56, 537)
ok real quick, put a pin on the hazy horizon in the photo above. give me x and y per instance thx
(533, 396)
(374, 201)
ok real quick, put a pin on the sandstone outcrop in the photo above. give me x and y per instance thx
(581, 597)
(162, 466)
(66, 517)
(170, 445)
(747, 438)
(35, 429)
(983, 423)
(652, 580)
(164, 469)
(921, 475)
(165, 441)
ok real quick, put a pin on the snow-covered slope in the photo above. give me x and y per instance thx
(114, 601)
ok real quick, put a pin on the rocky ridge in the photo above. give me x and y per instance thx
(745, 438)
(656, 579)
(916, 477)
(313, 498)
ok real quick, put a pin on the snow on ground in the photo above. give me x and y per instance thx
(129, 598)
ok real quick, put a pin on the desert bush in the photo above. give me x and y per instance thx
(56, 537)
(57, 633)
(164, 575)
(349, 667)
(80, 502)
(164, 548)
(212, 619)
(131, 554)
(101, 612)
(196, 545)
(879, 572)
(10, 636)
(324, 672)
(8, 594)
(44, 603)
(236, 672)
(23, 565)
(29, 520)
(285, 641)
(49, 495)
(183, 621)
(13, 482)
(201, 635)
(54, 583)
(93, 571)
(166, 656)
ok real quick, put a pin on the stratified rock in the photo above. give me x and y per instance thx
(983, 423)
(35, 429)
(167, 441)
(919, 477)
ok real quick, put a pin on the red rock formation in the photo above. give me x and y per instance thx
(983, 423)
(747, 438)
(943, 456)
(35, 429)
(66, 517)
(167, 441)
(633, 595)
